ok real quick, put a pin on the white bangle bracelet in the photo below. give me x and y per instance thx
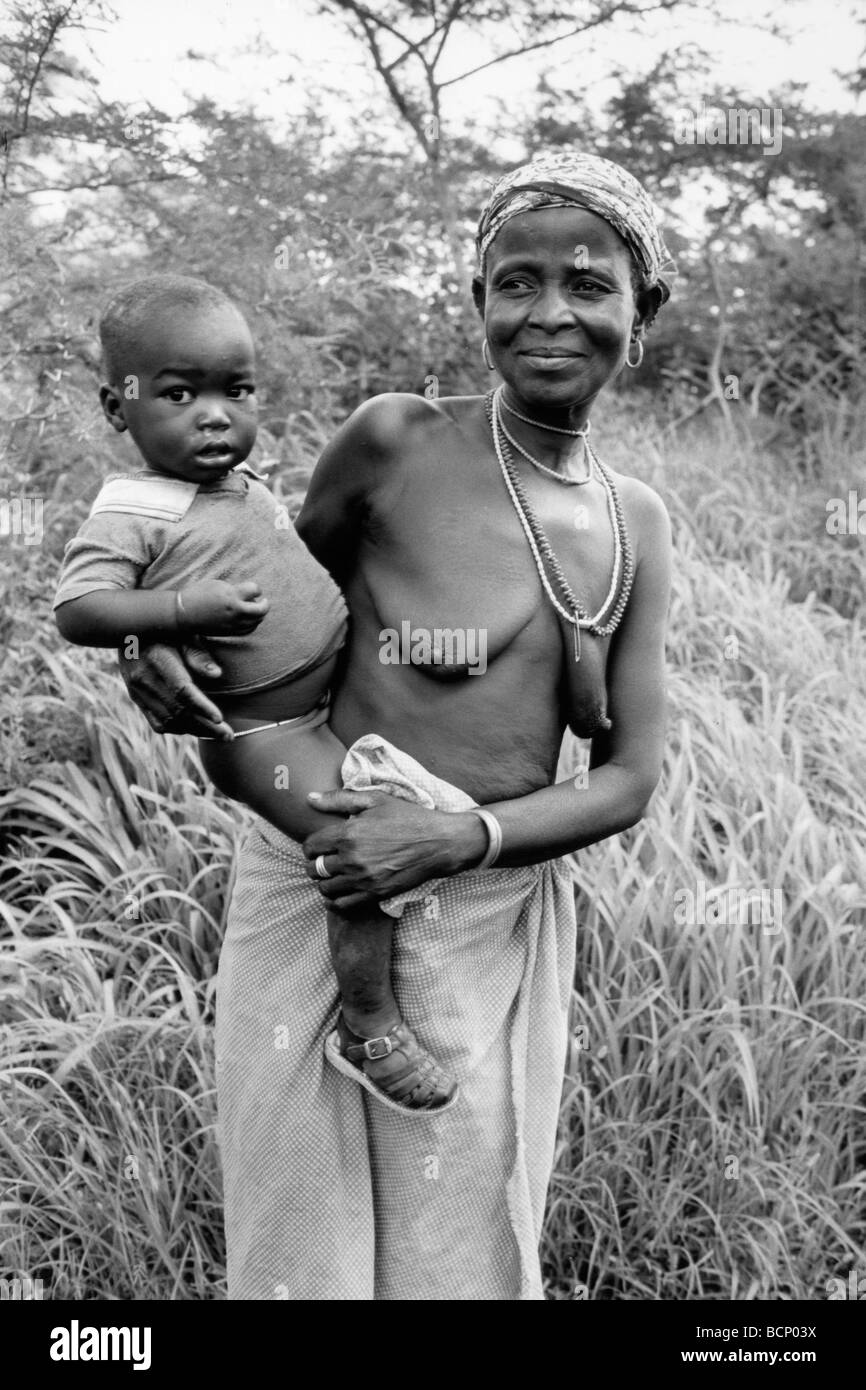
(494, 837)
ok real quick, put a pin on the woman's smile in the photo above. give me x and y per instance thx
(549, 359)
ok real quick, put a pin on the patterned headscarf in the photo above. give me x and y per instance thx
(572, 180)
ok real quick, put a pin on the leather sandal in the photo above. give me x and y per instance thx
(413, 1079)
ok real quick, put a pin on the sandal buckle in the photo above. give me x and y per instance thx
(375, 1048)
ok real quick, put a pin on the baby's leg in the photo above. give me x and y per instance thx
(272, 771)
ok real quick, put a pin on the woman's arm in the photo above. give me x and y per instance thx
(345, 480)
(388, 847)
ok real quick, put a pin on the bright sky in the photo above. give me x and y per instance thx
(143, 56)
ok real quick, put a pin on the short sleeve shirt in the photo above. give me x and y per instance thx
(150, 531)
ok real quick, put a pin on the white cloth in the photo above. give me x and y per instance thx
(329, 1194)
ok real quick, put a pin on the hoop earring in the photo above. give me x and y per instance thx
(485, 353)
(628, 361)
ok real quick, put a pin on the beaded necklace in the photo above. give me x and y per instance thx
(582, 433)
(564, 478)
(623, 563)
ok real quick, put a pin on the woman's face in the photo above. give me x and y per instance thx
(559, 306)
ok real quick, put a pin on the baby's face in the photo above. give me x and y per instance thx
(194, 415)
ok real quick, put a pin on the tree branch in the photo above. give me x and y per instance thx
(601, 18)
(399, 100)
(367, 17)
(447, 24)
(91, 187)
(22, 112)
(55, 24)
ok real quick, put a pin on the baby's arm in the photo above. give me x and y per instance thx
(213, 607)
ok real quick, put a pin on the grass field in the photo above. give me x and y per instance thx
(714, 1113)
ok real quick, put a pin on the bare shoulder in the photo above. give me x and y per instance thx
(646, 517)
(383, 440)
(386, 422)
(370, 454)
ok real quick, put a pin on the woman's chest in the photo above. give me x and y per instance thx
(458, 541)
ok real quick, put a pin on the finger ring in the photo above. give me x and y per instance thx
(321, 868)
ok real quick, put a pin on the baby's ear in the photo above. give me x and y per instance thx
(112, 406)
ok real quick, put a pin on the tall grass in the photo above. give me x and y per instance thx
(712, 1137)
(114, 903)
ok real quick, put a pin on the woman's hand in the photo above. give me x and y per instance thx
(160, 681)
(387, 846)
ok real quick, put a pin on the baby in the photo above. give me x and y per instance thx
(192, 545)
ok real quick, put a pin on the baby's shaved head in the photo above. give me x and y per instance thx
(134, 308)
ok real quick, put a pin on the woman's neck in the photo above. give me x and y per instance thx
(564, 452)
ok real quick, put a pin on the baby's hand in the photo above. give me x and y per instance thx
(216, 608)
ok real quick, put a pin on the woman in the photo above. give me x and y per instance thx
(468, 516)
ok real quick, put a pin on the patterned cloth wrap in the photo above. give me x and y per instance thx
(331, 1194)
(573, 180)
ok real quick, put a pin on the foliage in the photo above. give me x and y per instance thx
(703, 1044)
(350, 253)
